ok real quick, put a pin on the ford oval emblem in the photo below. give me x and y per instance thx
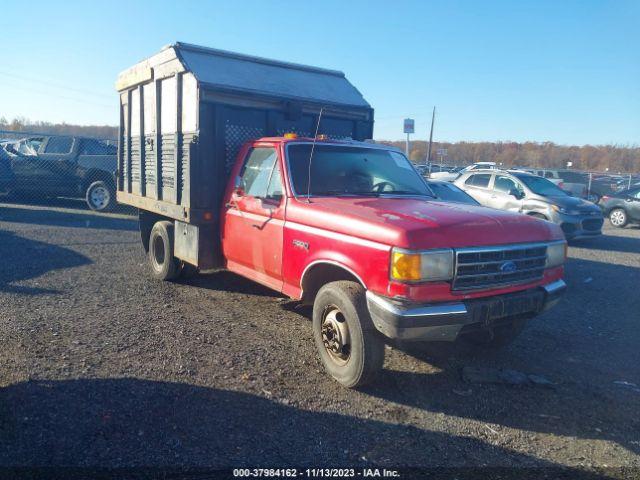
(508, 267)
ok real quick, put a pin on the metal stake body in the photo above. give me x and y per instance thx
(408, 146)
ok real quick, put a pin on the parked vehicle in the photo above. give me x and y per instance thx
(622, 208)
(6, 175)
(422, 170)
(347, 226)
(451, 176)
(448, 192)
(63, 166)
(534, 196)
(576, 188)
(579, 185)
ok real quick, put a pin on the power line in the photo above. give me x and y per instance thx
(57, 85)
(74, 99)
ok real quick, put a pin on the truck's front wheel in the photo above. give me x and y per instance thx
(164, 266)
(350, 348)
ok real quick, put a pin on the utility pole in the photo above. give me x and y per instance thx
(433, 117)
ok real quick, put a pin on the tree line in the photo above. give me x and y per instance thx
(23, 125)
(612, 158)
(597, 158)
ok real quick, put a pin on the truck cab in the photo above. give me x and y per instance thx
(264, 168)
(352, 229)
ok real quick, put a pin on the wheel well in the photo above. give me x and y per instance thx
(97, 175)
(320, 274)
(146, 221)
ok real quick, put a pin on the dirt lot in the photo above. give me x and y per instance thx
(102, 366)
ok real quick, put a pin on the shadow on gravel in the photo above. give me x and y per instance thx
(608, 243)
(596, 324)
(23, 259)
(57, 218)
(229, 282)
(60, 202)
(110, 423)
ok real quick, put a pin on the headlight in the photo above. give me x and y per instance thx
(425, 266)
(556, 254)
(565, 211)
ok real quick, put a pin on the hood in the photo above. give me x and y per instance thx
(571, 203)
(421, 224)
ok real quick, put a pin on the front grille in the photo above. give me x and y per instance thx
(484, 267)
(593, 224)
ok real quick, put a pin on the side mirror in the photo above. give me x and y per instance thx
(516, 193)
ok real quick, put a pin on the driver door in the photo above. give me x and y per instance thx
(501, 196)
(253, 222)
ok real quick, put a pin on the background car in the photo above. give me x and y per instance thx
(63, 166)
(448, 192)
(622, 207)
(535, 196)
(6, 175)
(450, 176)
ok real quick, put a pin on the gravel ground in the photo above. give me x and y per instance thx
(101, 366)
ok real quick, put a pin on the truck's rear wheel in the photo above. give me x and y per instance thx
(350, 347)
(164, 266)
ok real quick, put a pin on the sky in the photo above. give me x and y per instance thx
(562, 71)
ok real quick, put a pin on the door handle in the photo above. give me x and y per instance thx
(230, 205)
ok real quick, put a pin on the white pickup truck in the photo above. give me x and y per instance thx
(451, 176)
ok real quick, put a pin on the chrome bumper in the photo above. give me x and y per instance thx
(443, 322)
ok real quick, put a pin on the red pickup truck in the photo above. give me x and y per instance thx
(347, 226)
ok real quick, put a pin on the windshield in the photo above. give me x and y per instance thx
(450, 193)
(541, 186)
(345, 170)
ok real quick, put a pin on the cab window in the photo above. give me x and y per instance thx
(59, 145)
(256, 176)
(30, 146)
(275, 191)
(479, 180)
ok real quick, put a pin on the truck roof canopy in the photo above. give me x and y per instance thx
(235, 72)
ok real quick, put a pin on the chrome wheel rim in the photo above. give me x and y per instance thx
(617, 217)
(99, 197)
(335, 335)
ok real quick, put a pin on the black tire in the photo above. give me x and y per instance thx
(618, 217)
(500, 337)
(100, 196)
(365, 346)
(164, 266)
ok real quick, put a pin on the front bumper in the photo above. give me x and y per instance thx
(579, 226)
(443, 322)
